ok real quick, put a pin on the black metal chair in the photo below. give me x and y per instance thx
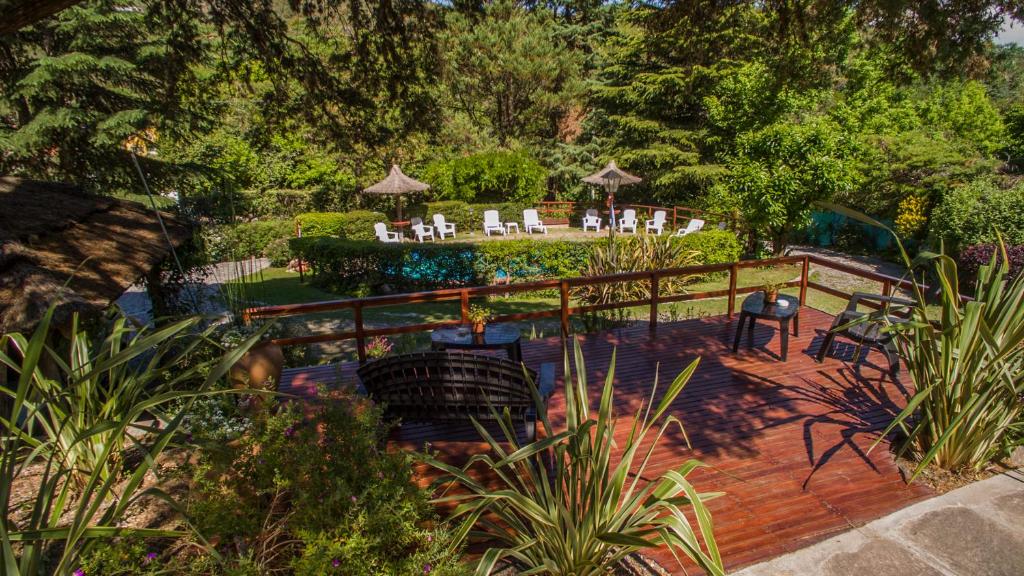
(868, 332)
(455, 386)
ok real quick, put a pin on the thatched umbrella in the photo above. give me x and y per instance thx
(611, 177)
(397, 184)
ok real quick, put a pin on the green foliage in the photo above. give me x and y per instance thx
(489, 176)
(317, 494)
(347, 266)
(354, 225)
(258, 238)
(967, 367)
(122, 557)
(781, 170)
(637, 253)
(567, 482)
(344, 266)
(510, 66)
(977, 212)
(75, 419)
(1015, 136)
(77, 85)
(963, 110)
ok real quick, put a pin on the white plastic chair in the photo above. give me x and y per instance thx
(723, 225)
(492, 223)
(443, 228)
(422, 230)
(693, 226)
(658, 224)
(531, 220)
(383, 235)
(628, 220)
(592, 220)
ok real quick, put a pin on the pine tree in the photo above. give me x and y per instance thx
(77, 85)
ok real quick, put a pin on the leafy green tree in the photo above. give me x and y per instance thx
(77, 85)
(781, 170)
(964, 110)
(508, 71)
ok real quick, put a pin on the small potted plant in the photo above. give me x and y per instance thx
(771, 291)
(478, 317)
(378, 347)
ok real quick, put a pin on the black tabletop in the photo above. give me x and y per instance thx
(495, 335)
(786, 307)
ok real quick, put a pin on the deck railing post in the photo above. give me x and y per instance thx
(804, 277)
(464, 304)
(654, 302)
(563, 289)
(886, 288)
(733, 273)
(360, 336)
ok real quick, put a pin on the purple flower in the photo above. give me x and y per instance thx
(289, 432)
(354, 499)
(150, 557)
(426, 568)
(78, 572)
(335, 562)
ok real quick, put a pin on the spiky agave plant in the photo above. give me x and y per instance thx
(967, 365)
(75, 425)
(567, 503)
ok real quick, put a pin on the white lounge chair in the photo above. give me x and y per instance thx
(592, 220)
(443, 228)
(693, 226)
(628, 220)
(723, 225)
(658, 223)
(422, 230)
(532, 221)
(383, 235)
(492, 223)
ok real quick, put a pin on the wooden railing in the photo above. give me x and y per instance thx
(564, 287)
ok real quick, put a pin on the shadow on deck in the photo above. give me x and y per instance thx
(787, 442)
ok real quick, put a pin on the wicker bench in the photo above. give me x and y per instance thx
(455, 386)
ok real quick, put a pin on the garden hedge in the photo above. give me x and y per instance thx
(353, 225)
(344, 266)
(260, 238)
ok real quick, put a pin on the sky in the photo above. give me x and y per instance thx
(1012, 33)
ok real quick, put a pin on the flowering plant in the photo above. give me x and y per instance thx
(379, 347)
(478, 314)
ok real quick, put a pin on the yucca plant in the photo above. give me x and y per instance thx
(93, 381)
(635, 254)
(578, 501)
(967, 364)
(67, 434)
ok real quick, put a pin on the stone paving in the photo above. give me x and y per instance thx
(977, 530)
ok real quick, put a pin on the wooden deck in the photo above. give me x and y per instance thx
(787, 441)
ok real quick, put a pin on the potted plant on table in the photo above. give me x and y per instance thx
(478, 317)
(771, 291)
(378, 347)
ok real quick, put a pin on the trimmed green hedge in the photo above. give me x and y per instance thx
(344, 266)
(354, 225)
(715, 246)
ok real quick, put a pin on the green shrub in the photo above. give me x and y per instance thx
(971, 214)
(489, 176)
(240, 241)
(714, 246)
(354, 225)
(344, 266)
(316, 493)
(275, 203)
